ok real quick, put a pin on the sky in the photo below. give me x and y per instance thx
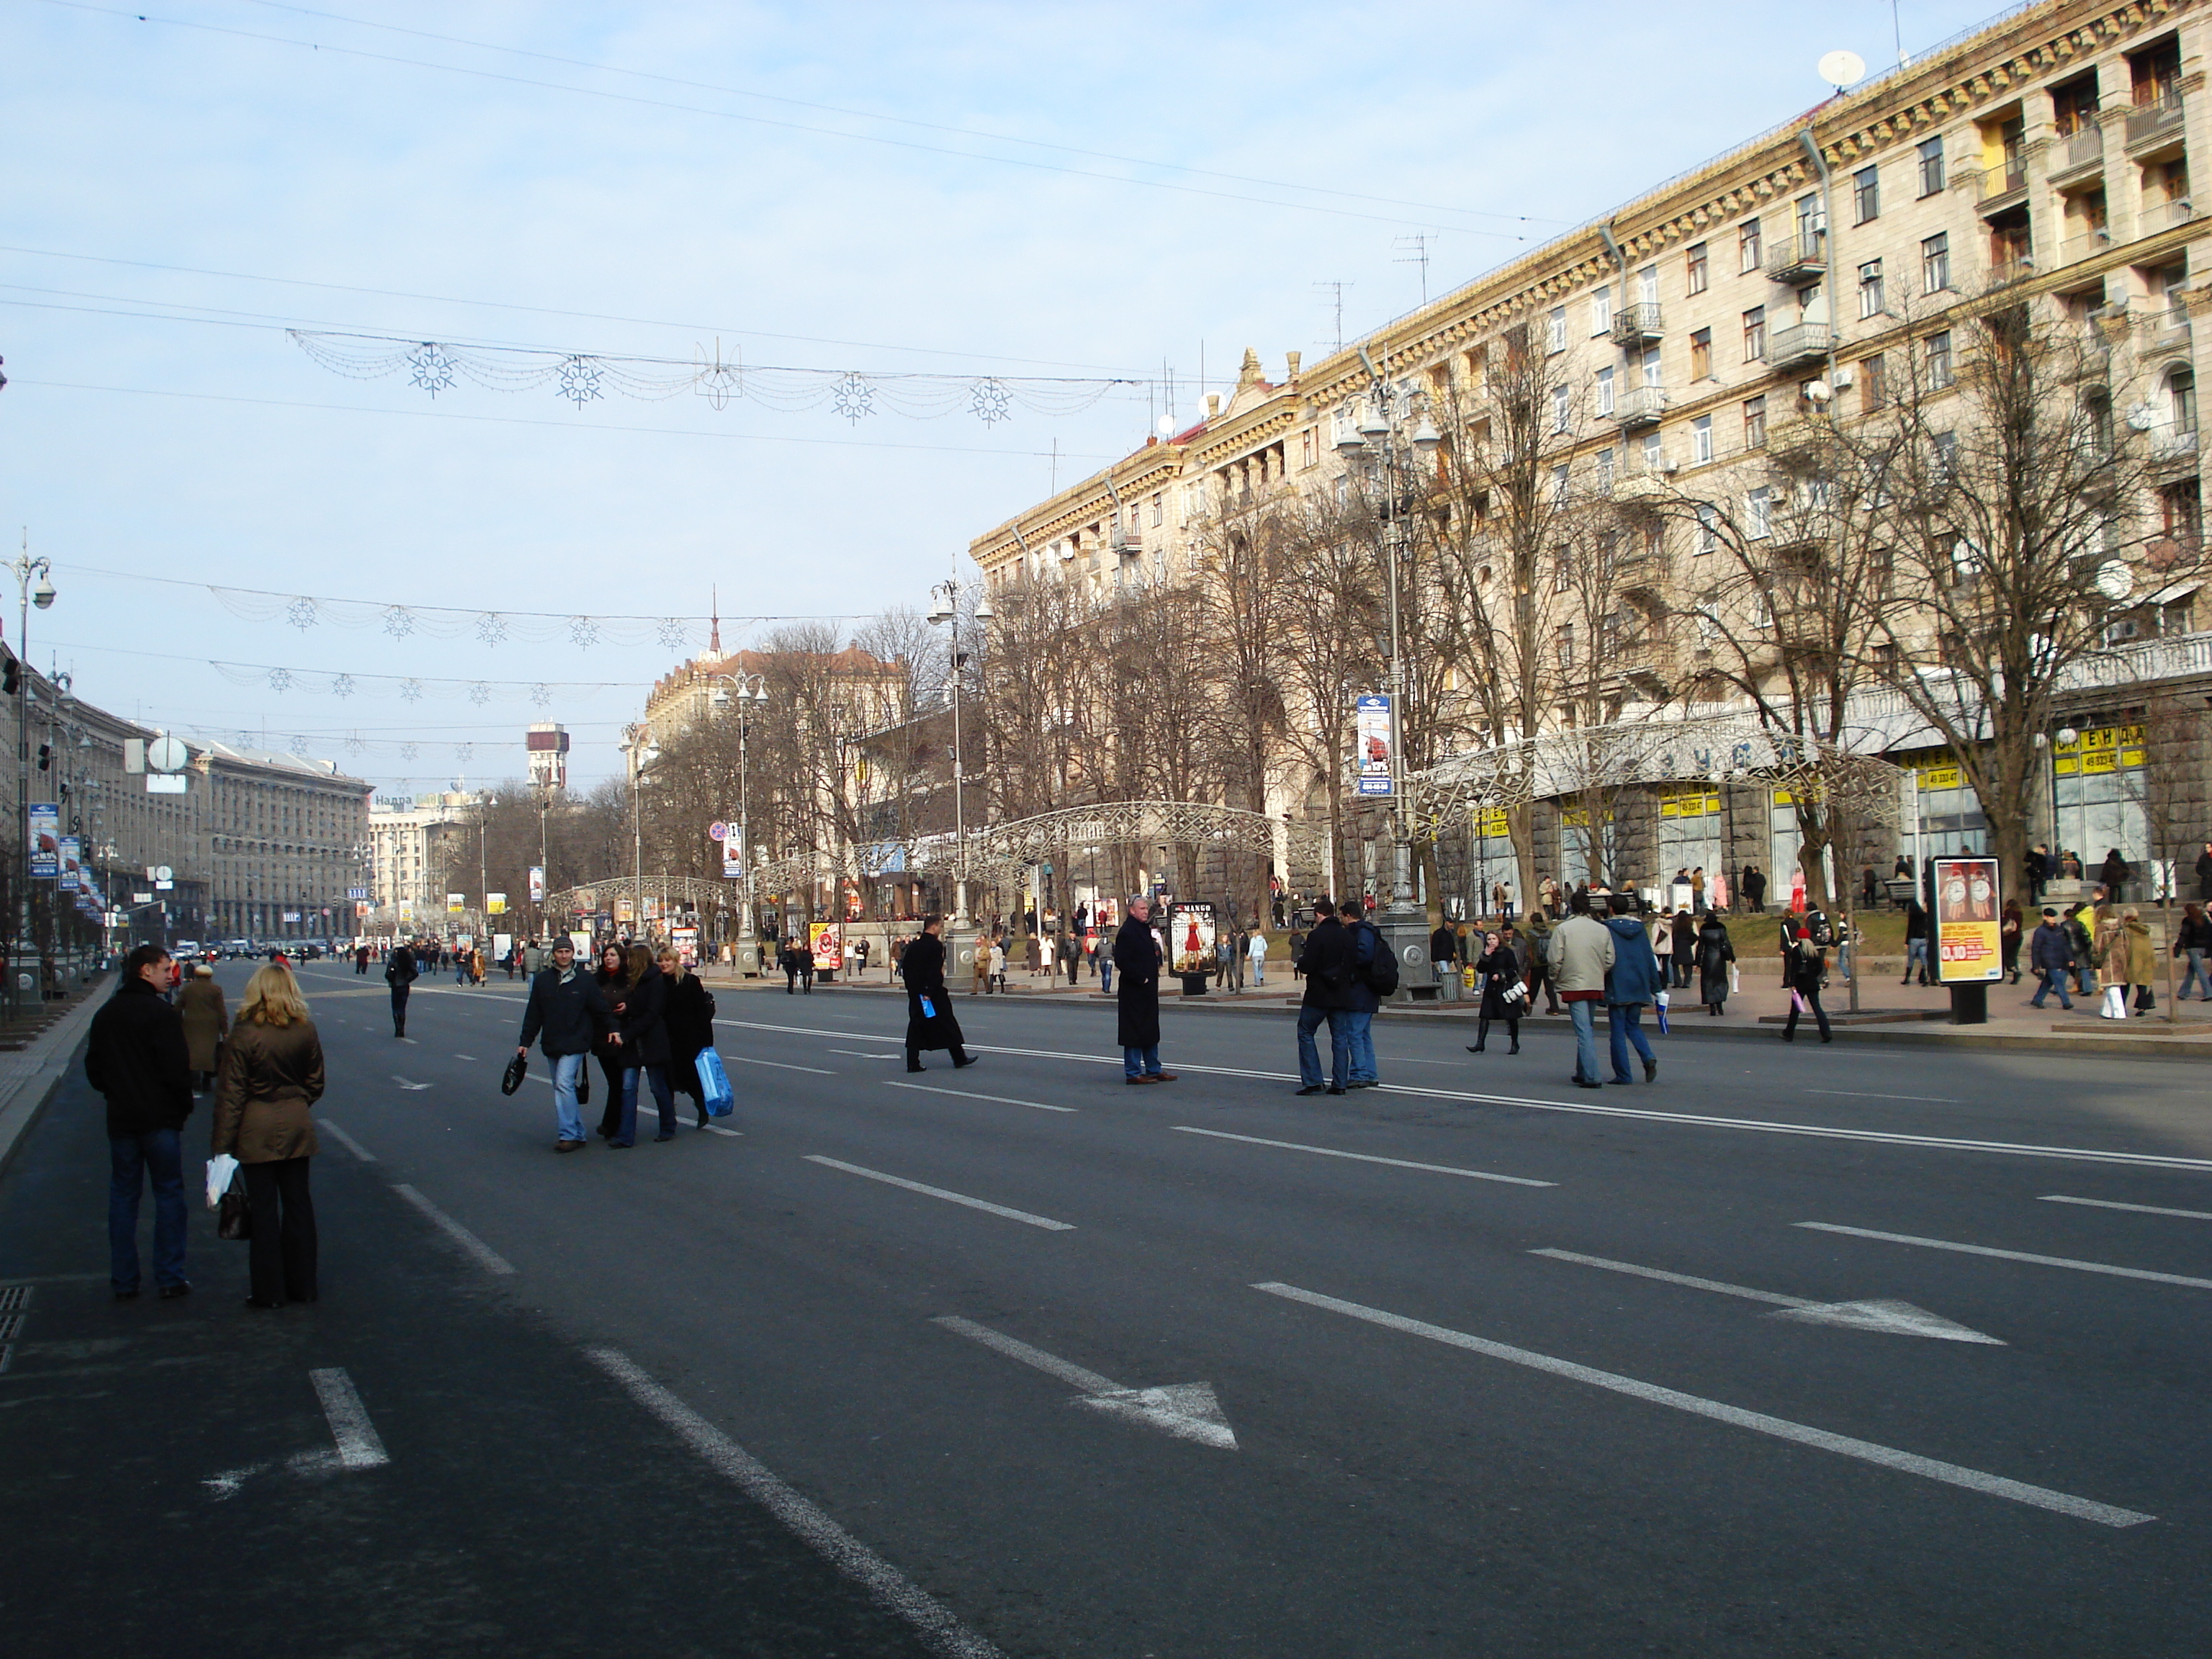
(1087, 202)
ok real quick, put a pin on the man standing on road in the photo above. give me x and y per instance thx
(2051, 953)
(1328, 973)
(1361, 999)
(1137, 956)
(1582, 954)
(400, 973)
(137, 1056)
(1634, 979)
(567, 1006)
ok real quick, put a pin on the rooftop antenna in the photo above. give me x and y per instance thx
(715, 624)
(1419, 243)
(1335, 301)
(1896, 28)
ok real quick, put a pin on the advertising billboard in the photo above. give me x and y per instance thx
(827, 941)
(1194, 938)
(1967, 924)
(455, 902)
(46, 839)
(494, 904)
(538, 883)
(733, 852)
(1371, 741)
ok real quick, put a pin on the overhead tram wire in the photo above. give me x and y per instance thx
(758, 120)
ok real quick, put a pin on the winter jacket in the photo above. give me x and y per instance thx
(2049, 950)
(1634, 976)
(138, 1057)
(1581, 953)
(271, 1074)
(200, 1005)
(1364, 943)
(644, 1020)
(401, 970)
(1715, 951)
(1495, 970)
(2193, 935)
(2128, 957)
(572, 1017)
(1137, 984)
(1328, 966)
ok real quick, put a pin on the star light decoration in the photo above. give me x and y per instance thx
(433, 369)
(580, 380)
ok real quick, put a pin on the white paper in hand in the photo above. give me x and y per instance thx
(219, 1168)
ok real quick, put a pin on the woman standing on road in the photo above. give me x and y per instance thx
(613, 977)
(689, 1017)
(644, 1047)
(1500, 973)
(929, 1020)
(206, 1021)
(1715, 951)
(272, 1074)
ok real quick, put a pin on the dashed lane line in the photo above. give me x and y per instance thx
(1365, 1158)
(359, 1446)
(482, 1253)
(1024, 1216)
(2029, 1256)
(2138, 1209)
(969, 1094)
(348, 1141)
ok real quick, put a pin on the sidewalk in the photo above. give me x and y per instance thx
(27, 1075)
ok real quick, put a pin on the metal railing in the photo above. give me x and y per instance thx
(2152, 121)
(1799, 256)
(1634, 324)
(1640, 405)
(1798, 341)
(2078, 151)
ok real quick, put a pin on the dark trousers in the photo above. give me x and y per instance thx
(135, 1162)
(1512, 1030)
(1540, 979)
(1812, 995)
(656, 1077)
(400, 1010)
(281, 1252)
(610, 1068)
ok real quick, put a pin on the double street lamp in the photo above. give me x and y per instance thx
(750, 689)
(35, 585)
(947, 613)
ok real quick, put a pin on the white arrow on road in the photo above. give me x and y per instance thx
(405, 1084)
(1891, 1318)
(1187, 1410)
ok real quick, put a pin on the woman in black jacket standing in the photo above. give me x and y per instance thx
(645, 1047)
(690, 1018)
(1504, 995)
(612, 976)
(929, 1020)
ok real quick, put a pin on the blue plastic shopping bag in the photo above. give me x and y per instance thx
(713, 1084)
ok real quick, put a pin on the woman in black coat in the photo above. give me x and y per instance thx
(689, 1020)
(644, 1047)
(1505, 992)
(612, 976)
(921, 964)
(2114, 875)
(1715, 951)
(1685, 928)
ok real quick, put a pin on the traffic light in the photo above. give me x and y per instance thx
(11, 676)
(45, 756)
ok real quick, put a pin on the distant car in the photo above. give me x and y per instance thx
(185, 949)
(236, 948)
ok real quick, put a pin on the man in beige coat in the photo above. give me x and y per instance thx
(1582, 953)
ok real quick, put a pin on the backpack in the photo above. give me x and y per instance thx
(1379, 973)
(1822, 933)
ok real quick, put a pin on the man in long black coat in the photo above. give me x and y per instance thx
(400, 973)
(1137, 968)
(922, 966)
(137, 1056)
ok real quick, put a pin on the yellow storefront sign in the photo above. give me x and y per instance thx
(1689, 804)
(2107, 749)
(1493, 823)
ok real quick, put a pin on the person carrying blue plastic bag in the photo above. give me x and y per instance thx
(929, 1020)
(688, 1017)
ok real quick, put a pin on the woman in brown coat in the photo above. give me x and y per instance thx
(206, 1022)
(272, 1073)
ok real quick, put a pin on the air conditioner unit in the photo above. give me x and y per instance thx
(1669, 466)
(1845, 378)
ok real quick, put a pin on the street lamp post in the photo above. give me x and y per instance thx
(753, 689)
(947, 595)
(484, 805)
(35, 585)
(638, 749)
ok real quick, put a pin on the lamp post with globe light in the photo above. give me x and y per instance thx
(34, 586)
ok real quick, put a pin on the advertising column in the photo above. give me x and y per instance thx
(1968, 947)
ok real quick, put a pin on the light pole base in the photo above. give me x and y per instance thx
(1405, 929)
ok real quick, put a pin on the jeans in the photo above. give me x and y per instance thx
(1141, 1063)
(154, 1152)
(1359, 1038)
(281, 1256)
(2053, 979)
(1625, 1019)
(2086, 977)
(1916, 951)
(1339, 1049)
(1106, 975)
(1812, 997)
(664, 1097)
(1259, 970)
(1583, 1011)
(567, 1068)
(2195, 971)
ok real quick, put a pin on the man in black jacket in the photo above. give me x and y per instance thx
(1136, 958)
(137, 1056)
(1443, 961)
(1328, 965)
(400, 973)
(566, 1005)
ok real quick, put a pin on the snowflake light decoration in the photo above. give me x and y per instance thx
(408, 752)
(580, 380)
(491, 627)
(280, 679)
(992, 402)
(672, 632)
(540, 695)
(399, 621)
(463, 753)
(854, 399)
(412, 690)
(301, 614)
(342, 686)
(480, 694)
(433, 369)
(353, 742)
(583, 633)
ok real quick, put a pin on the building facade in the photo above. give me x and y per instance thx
(410, 841)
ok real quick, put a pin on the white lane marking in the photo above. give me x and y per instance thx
(489, 1259)
(818, 1070)
(1188, 1411)
(1365, 1158)
(359, 1448)
(1045, 1222)
(405, 1084)
(1693, 1119)
(1885, 1315)
(349, 1142)
(2012, 1255)
(1855, 1094)
(863, 1053)
(2139, 1209)
(969, 1094)
(1844, 1446)
(717, 1129)
(940, 1631)
(469, 1058)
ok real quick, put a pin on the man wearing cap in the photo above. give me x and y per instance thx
(2051, 953)
(568, 1008)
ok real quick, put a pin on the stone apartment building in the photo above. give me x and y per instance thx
(1683, 334)
(408, 842)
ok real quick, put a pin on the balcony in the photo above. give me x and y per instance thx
(1799, 260)
(2165, 328)
(2079, 157)
(2001, 189)
(1640, 406)
(1801, 343)
(1640, 480)
(2155, 126)
(2088, 245)
(2174, 449)
(1637, 324)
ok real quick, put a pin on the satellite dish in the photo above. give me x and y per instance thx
(2114, 582)
(2142, 417)
(1843, 69)
(1167, 426)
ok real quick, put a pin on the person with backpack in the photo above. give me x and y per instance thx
(1634, 981)
(1539, 957)
(400, 973)
(1375, 975)
(1328, 978)
(1808, 966)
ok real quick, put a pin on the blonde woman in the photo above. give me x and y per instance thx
(272, 1075)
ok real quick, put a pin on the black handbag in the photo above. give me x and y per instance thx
(584, 1082)
(517, 1069)
(233, 1219)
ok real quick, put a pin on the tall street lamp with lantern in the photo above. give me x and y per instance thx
(947, 613)
(35, 585)
(750, 689)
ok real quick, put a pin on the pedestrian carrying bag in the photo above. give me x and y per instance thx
(1380, 974)
(714, 1092)
(928, 1009)
(511, 1079)
(233, 1219)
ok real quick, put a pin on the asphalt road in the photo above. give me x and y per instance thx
(1024, 1359)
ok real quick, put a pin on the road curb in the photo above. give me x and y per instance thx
(23, 1096)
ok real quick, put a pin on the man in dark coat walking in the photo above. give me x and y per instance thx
(1328, 976)
(929, 1020)
(1137, 961)
(138, 1057)
(400, 973)
(566, 1005)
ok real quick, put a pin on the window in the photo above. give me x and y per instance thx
(1558, 409)
(1563, 570)
(1759, 512)
(1605, 464)
(1305, 450)
(1555, 330)
(1601, 311)
(1812, 220)
(1701, 355)
(1873, 384)
(1701, 440)
(1605, 390)
(1946, 456)
(1747, 247)
(1936, 263)
(1652, 367)
(1159, 502)
(1939, 359)
(1654, 456)
(1754, 422)
(1566, 645)
(2181, 395)
(1559, 485)
(1931, 167)
(1709, 535)
(1754, 334)
(1866, 195)
(1693, 269)
(1647, 286)
(1871, 299)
